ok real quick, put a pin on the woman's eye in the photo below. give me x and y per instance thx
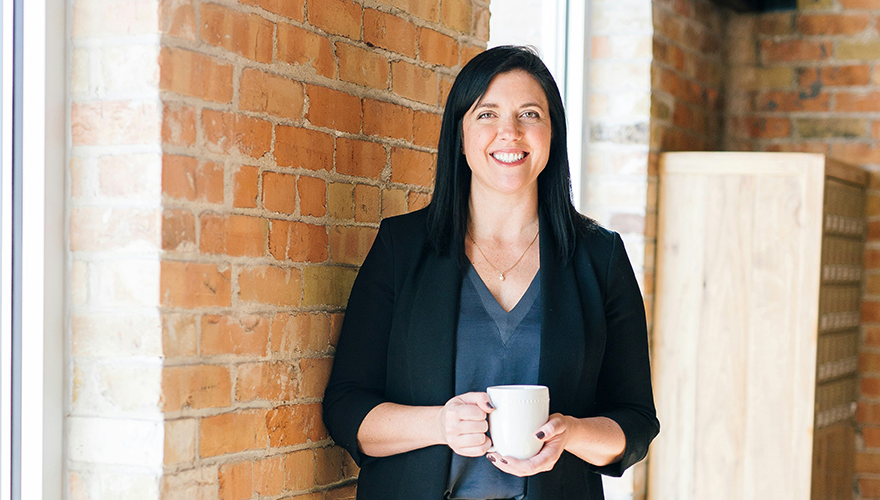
(484, 115)
(532, 115)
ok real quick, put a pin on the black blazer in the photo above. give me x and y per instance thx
(398, 344)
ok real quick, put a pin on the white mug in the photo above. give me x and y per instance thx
(520, 410)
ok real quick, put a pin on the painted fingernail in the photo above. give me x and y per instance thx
(491, 458)
(503, 461)
(490, 405)
(540, 435)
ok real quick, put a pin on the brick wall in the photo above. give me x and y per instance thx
(808, 81)
(231, 161)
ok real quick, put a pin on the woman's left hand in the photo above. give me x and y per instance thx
(555, 437)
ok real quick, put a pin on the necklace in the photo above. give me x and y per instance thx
(500, 272)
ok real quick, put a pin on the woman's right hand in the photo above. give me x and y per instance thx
(463, 424)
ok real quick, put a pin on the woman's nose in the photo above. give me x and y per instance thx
(509, 128)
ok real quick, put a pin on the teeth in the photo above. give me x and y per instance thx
(508, 157)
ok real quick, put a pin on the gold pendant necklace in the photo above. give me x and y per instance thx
(500, 272)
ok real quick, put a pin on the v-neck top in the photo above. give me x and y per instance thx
(493, 347)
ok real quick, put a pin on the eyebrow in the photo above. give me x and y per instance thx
(492, 105)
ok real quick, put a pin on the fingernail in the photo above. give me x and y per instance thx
(540, 435)
(490, 405)
(503, 461)
(491, 458)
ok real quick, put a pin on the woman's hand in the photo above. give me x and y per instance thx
(555, 436)
(463, 424)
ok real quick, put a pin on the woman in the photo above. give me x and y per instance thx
(458, 296)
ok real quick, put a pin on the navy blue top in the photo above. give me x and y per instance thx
(493, 347)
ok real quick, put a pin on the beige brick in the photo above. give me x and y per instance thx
(79, 283)
(129, 68)
(130, 176)
(295, 334)
(270, 285)
(393, 202)
(366, 203)
(832, 127)
(79, 71)
(124, 283)
(327, 285)
(350, 244)
(101, 229)
(858, 50)
(340, 201)
(115, 441)
(114, 123)
(116, 335)
(179, 337)
(101, 483)
(192, 484)
(180, 440)
(115, 17)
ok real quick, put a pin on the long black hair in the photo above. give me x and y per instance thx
(448, 210)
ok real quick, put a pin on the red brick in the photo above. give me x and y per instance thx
(235, 235)
(191, 285)
(418, 200)
(795, 50)
(414, 82)
(279, 192)
(790, 101)
(196, 387)
(868, 413)
(409, 166)
(333, 109)
(426, 129)
(112, 123)
(366, 203)
(248, 35)
(860, 4)
(178, 230)
(688, 117)
(867, 462)
(870, 388)
(295, 334)
(303, 148)
(297, 241)
(853, 102)
(177, 19)
(246, 187)
(389, 32)
(870, 311)
(362, 67)
(272, 94)
(360, 158)
(299, 471)
(869, 488)
(296, 424)
(871, 436)
(437, 48)
(350, 244)
(832, 24)
(833, 76)
(872, 260)
(300, 47)
(768, 128)
(269, 476)
(196, 75)
(232, 433)
(315, 375)
(329, 464)
(873, 235)
(183, 177)
(456, 14)
(281, 286)
(236, 134)
(429, 10)
(236, 481)
(348, 492)
(178, 124)
(875, 130)
(243, 336)
(799, 147)
(772, 24)
(292, 9)
(312, 196)
(388, 120)
(340, 17)
(272, 381)
(856, 152)
(468, 52)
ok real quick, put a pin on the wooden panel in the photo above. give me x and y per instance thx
(833, 462)
(738, 271)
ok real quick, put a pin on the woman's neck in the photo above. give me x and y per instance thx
(502, 216)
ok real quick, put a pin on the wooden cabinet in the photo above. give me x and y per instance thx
(756, 326)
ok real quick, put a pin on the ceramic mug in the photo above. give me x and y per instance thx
(520, 410)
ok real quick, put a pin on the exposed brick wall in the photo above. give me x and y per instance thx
(231, 162)
(808, 81)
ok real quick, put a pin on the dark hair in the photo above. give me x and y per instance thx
(448, 210)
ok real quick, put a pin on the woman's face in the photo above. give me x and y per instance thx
(507, 134)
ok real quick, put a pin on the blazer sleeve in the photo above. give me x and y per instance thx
(624, 391)
(357, 380)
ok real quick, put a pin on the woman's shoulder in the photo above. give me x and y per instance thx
(412, 223)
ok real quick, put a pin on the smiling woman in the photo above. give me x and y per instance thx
(458, 297)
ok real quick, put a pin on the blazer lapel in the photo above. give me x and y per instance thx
(431, 347)
(562, 327)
